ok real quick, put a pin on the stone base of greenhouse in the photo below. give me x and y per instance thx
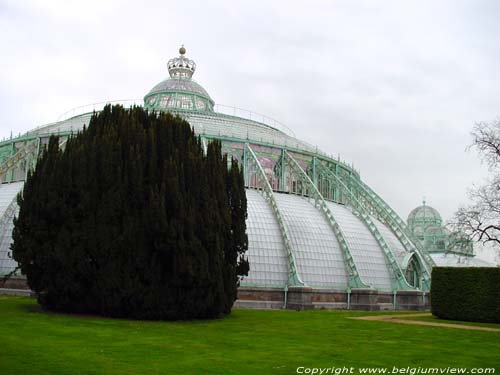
(294, 298)
(305, 298)
(15, 286)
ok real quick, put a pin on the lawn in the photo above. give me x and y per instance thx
(247, 342)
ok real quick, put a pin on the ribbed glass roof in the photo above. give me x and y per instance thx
(179, 84)
(456, 260)
(424, 212)
(266, 254)
(8, 209)
(366, 252)
(291, 239)
(319, 259)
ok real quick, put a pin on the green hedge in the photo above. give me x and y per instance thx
(466, 293)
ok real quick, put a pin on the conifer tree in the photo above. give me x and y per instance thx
(131, 219)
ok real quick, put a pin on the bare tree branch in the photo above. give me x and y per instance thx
(480, 220)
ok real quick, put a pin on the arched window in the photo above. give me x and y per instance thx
(413, 272)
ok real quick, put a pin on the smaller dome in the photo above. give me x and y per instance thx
(179, 85)
(424, 212)
(422, 218)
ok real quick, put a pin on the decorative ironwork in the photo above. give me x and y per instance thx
(312, 191)
(266, 190)
(398, 279)
(181, 67)
(397, 225)
(19, 156)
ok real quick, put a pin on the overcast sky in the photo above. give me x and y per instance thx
(394, 87)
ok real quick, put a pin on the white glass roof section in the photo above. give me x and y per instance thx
(319, 260)
(8, 209)
(397, 248)
(368, 256)
(73, 124)
(179, 85)
(8, 193)
(456, 260)
(266, 252)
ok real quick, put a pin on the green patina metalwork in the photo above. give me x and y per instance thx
(175, 100)
(23, 155)
(343, 193)
(323, 177)
(398, 279)
(294, 278)
(312, 191)
(426, 227)
(280, 171)
(386, 214)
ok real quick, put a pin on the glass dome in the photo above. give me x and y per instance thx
(180, 91)
(425, 214)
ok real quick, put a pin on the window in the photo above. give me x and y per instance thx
(184, 102)
(166, 101)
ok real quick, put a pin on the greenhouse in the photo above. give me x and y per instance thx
(319, 236)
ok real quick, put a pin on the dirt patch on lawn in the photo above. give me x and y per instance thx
(397, 319)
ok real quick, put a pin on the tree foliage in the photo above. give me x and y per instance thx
(481, 218)
(131, 219)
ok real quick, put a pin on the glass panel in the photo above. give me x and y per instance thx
(317, 252)
(456, 260)
(8, 194)
(166, 101)
(266, 253)
(392, 241)
(368, 255)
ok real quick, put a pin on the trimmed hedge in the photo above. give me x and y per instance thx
(466, 293)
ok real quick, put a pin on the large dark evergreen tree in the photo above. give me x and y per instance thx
(131, 219)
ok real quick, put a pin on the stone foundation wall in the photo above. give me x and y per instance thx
(14, 282)
(304, 298)
(296, 298)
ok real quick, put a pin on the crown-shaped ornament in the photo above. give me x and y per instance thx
(181, 67)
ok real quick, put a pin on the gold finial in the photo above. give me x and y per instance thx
(182, 50)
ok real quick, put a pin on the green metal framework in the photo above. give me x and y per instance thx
(319, 202)
(178, 100)
(384, 212)
(7, 216)
(323, 179)
(24, 157)
(343, 186)
(251, 161)
(398, 279)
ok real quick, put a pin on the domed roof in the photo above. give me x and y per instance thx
(179, 85)
(180, 91)
(424, 213)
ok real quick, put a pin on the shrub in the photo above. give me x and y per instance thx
(131, 219)
(468, 293)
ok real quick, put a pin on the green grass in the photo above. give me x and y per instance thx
(435, 319)
(247, 342)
